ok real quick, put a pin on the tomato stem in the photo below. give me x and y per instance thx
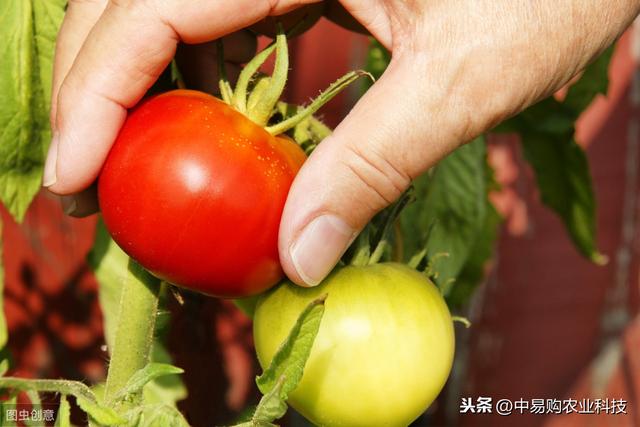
(271, 94)
(134, 331)
(239, 101)
(261, 103)
(463, 320)
(362, 253)
(378, 252)
(326, 96)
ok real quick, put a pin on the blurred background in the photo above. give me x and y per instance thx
(546, 323)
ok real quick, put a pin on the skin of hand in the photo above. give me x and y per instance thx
(458, 69)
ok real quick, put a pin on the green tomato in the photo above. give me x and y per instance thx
(383, 352)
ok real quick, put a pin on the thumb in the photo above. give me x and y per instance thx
(386, 140)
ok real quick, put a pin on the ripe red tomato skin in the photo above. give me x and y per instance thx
(194, 191)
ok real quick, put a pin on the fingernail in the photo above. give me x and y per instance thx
(49, 177)
(319, 247)
(69, 204)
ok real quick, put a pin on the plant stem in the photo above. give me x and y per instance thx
(378, 252)
(269, 97)
(463, 320)
(239, 101)
(326, 96)
(134, 329)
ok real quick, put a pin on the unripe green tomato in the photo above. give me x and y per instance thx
(383, 352)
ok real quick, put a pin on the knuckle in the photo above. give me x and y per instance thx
(381, 178)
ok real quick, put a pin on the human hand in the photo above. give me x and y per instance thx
(458, 69)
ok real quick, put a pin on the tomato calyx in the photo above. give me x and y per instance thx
(375, 240)
(258, 98)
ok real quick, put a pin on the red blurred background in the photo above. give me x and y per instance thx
(546, 323)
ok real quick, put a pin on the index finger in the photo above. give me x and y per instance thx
(125, 52)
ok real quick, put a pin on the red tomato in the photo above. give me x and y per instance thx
(194, 191)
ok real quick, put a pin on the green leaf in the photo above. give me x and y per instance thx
(449, 211)
(28, 30)
(564, 181)
(286, 369)
(166, 389)
(156, 415)
(74, 388)
(562, 171)
(84, 396)
(473, 271)
(101, 414)
(271, 406)
(594, 81)
(64, 413)
(146, 375)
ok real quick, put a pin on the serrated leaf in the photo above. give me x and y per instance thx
(594, 81)
(564, 181)
(167, 389)
(449, 210)
(562, 171)
(101, 414)
(271, 406)
(292, 355)
(287, 366)
(64, 413)
(473, 271)
(146, 375)
(28, 29)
